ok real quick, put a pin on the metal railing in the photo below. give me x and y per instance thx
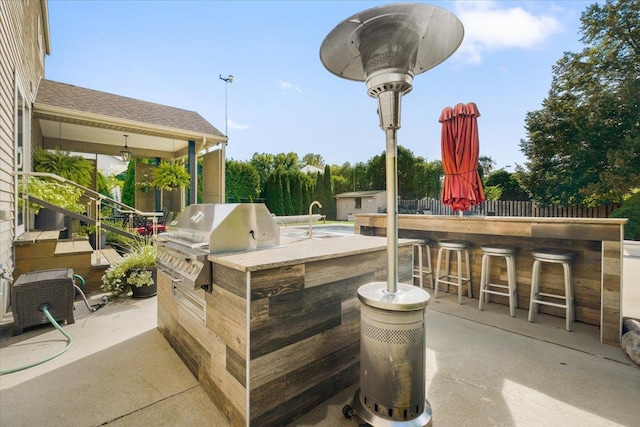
(95, 202)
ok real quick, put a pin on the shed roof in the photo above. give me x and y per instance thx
(370, 193)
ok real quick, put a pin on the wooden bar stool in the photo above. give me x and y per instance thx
(509, 290)
(418, 270)
(554, 256)
(457, 246)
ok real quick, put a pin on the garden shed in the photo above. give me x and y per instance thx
(356, 202)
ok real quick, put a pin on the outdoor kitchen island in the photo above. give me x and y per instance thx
(279, 332)
(597, 269)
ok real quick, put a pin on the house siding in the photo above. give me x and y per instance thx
(22, 48)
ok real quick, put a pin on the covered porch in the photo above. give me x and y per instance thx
(83, 120)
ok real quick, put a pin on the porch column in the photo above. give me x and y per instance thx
(193, 171)
(158, 191)
(212, 181)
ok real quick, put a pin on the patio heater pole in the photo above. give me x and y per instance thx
(391, 162)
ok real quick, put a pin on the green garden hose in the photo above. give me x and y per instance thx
(45, 309)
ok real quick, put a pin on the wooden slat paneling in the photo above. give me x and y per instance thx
(276, 281)
(285, 331)
(596, 270)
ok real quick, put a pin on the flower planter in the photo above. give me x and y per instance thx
(103, 240)
(48, 219)
(145, 291)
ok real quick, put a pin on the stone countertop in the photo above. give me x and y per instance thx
(297, 250)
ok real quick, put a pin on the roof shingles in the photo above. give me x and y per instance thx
(95, 102)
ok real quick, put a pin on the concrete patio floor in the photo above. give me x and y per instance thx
(483, 369)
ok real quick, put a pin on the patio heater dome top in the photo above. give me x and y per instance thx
(397, 41)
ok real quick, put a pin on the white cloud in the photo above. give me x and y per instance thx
(233, 125)
(489, 26)
(288, 86)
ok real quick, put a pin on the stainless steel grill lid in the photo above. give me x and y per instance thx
(230, 227)
(204, 229)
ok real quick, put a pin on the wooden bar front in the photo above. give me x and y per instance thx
(597, 270)
(281, 333)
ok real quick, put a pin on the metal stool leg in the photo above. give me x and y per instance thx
(413, 264)
(437, 284)
(483, 281)
(535, 276)
(513, 288)
(466, 258)
(448, 269)
(429, 265)
(459, 257)
(568, 290)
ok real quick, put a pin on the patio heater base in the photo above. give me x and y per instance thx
(423, 420)
(392, 357)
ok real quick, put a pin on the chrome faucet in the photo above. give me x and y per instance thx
(310, 212)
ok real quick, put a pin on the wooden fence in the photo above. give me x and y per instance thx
(508, 208)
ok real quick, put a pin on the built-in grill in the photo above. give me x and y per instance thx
(204, 229)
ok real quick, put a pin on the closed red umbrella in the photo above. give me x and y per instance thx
(460, 151)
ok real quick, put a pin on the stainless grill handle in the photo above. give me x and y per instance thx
(170, 274)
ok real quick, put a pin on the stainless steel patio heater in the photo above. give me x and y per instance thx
(386, 47)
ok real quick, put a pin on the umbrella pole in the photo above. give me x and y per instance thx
(391, 159)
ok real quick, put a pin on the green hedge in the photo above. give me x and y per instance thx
(630, 209)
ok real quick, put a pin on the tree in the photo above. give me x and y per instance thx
(340, 184)
(429, 179)
(328, 202)
(630, 209)
(286, 194)
(242, 181)
(312, 159)
(485, 166)
(263, 164)
(275, 194)
(129, 186)
(319, 190)
(266, 164)
(583, 145)
(360, 181)
(417, 178)
(286, 162)
(307, 190)
(508, 184)
(296, 194)
(376, 173)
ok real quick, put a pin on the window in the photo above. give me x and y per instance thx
(358, 202)
(22, 159)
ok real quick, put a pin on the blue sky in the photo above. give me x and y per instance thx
(282, 99)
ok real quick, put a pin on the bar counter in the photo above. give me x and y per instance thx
(279, 333)
(597, 270)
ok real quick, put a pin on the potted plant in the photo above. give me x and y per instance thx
(170, 175)
(90, 232)
(135, 272)
(56, 193)
(62, 163)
